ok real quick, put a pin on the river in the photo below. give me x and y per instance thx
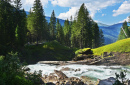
(91, 71)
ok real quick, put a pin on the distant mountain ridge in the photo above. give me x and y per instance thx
(110, 32)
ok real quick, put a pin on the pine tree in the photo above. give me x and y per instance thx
(7, 30)
(74, 36)
(67, 32)
(124, 32)
(59, 32)
(23, 31)
(52, 25)
(83, 21)
(84, 31)
(36, 21)
(96, 36)
(101, 38)
(30, 28)
(18, 4)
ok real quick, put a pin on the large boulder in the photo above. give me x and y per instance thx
(66, 69)
(82, 54)
(25, 68)
(60, 74)
(109, 81)
(84, 51)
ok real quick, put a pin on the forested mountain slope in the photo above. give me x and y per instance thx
(111, 32)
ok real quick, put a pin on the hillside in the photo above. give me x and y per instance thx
(110, 32)
(119, 46)
(49, 51)
(117, 53)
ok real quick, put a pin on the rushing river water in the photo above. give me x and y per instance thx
(92, 71)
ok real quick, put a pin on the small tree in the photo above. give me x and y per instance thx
(121, 76)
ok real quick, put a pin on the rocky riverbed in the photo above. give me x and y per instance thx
(94, 70)
(77, 73)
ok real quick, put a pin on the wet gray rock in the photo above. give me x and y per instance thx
(60, 74)
(109, 81)
(49, 83)
(26, 68)
(66, 69)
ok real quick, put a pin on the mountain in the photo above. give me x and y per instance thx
(110, 32)
(60, 20)
(101, 24)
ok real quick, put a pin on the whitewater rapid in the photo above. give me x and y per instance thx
(92, 71)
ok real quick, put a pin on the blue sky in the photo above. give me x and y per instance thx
(104, 11)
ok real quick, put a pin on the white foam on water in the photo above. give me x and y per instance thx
(98, 72)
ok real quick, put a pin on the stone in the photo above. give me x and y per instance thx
(53, 79)
(60, 74)
(73, 78)
(109, 81)
(26, 68)
(129, 82)
(66, 69)
(80, 83)
(49, 83)
(77, 69)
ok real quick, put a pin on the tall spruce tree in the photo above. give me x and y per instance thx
(7, 27)
(96, 36)
(18, 4)
(59, 32)
(74, 35)
(84, 31)
(31, 31)
(67, 33)
(124, 32)
(84, 28)
(101, 37)
(36, 21)
(53, 25)
(81, 21)
(20, 24)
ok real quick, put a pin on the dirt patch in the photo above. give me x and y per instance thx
(117, 58)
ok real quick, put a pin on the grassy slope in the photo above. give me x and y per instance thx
(49, 51)
(119, 46)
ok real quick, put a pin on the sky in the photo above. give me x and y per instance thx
(104, 11)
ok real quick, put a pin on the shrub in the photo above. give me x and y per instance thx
(80, 51)
(121, 76)
(11, 72)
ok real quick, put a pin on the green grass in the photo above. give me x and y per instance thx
(53, 51)
(81, 50)
(119, 46)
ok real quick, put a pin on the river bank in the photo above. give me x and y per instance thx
(113, 58)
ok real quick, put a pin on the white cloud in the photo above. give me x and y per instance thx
(127, 19)
(66, 15)
(27, 4)
(123, 9)
(103, 15)
(97, 21)
(93, 6)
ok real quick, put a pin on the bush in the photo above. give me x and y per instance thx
(11, 72)
(121, 76)
(85, 50)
